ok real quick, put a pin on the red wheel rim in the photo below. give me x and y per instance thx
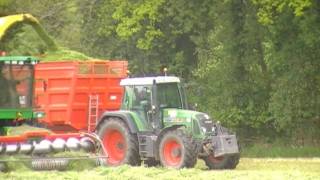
(215, 159)
(115, 145)
(172, 152)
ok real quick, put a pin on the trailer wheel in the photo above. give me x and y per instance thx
(223, 162)
(177, 150)
(121, 145)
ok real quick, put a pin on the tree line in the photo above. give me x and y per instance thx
(251, 64)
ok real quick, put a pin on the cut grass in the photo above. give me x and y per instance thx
(249, 168)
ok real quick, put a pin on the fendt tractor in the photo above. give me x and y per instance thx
(155, 125)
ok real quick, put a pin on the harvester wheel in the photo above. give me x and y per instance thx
(121, 145)
(223, 162)
(177, 150)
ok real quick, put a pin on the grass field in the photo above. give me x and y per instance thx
(249, 168)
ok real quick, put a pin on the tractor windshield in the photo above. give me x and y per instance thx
(16, 85)
(138, 98)
(170, 95)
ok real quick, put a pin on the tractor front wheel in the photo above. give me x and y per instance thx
(177, 150)
(223, 162)
(120, 145)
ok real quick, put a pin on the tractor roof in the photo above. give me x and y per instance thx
(149, 80)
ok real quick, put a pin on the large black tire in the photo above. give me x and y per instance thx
(223, 162)
(177, 150)
(121, 145)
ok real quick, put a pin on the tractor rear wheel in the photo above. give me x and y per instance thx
(120, 145)
(177, 150)
(223, 162)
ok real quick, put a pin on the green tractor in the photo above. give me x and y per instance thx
(154, 125)
(16, 91)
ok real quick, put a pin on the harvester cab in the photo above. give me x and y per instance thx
(16, 92)
(154, 125)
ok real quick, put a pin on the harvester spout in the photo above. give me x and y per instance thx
(8, 22)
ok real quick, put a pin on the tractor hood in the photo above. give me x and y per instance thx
(181, 115)
(197, 121)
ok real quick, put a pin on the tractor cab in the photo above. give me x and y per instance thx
(16, 91)
(149, 95)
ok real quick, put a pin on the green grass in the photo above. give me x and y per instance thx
(276, 151)
(249, 168)
(63, 55)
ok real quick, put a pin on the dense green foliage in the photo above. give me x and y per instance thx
(252, 64)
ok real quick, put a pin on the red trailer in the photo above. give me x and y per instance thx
(74, 94)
